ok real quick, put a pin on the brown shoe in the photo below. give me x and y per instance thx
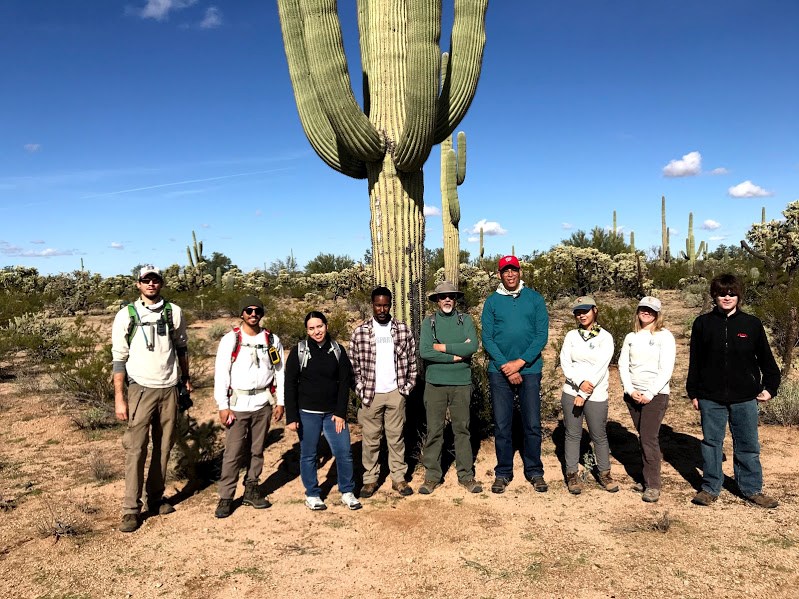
(471, 485)
(651, 495)
(367, 490)
(539, 484)
(704, 498)
(574, 483)
(500, 484)
(428, 487)
(402, 488)
(606, 482)
(764, 501)
(130, 522)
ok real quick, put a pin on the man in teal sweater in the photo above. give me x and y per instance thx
(515, 331)
(447, 342)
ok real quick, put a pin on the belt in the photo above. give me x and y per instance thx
(249, 391)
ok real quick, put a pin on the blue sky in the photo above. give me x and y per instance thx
(126, 125)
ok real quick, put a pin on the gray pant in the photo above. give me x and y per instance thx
(596, 416)
(251, 426)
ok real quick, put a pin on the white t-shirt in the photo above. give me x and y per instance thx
(385, 368)
(583, 360)
(646, 362)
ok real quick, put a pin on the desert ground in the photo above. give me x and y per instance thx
(59, 538)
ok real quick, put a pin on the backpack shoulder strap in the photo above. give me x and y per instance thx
(433, 326)
(134, 321)
(302, 353)
(167, 315)
(237, 345)
(336, 349)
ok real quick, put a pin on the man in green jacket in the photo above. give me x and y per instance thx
(447, 342)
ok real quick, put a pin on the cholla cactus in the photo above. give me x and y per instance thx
(776, 244)
(406, 111)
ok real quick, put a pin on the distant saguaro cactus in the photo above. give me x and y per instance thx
(482, 249)
(406, 112)
(632, 242)
(665, 256)
(691, 252)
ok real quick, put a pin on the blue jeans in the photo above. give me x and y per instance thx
(502, 395)
(310, 430)
(745, 446)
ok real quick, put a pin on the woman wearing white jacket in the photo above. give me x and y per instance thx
(585, 358)
(646, 364)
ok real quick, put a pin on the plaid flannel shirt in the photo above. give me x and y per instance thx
(363, 355)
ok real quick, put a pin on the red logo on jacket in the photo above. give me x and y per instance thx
(743, 335)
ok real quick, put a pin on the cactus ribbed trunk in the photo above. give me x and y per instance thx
(453, 173)
(665, 258)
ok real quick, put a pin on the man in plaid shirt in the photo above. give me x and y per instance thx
(383, 355)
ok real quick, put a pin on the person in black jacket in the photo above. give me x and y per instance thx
(318, 375)
(731, 369)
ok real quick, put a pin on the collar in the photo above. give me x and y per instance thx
(154, 307)
(587, 334)
(516, 293)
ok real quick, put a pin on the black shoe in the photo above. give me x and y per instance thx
(500, 484)
(130, 522)
(253, 498)
(539, 484)
(224, 508)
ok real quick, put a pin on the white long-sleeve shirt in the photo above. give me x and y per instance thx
(646, 362)
(252, 370)
(588, 360)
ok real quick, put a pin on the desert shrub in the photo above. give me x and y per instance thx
(42, 338)
(201, 360)
(61, 519)
(100, 468)
(95, 418)
(289, 323)
(618, 322)
(217, 330)
(482, 416)
(783, 409)
(667, 276)
(84, 372)
(777, 307)
(198, 449)
(552, 382)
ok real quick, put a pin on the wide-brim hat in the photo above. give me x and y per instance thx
(584, 302)
(441, 288)
(250, 300)
(650, 302)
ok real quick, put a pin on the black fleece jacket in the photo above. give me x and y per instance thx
(322, 386)
(731, 361)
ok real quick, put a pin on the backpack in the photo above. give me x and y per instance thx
(304, 354)
(433, 323)
(135, 321)
(270, 340)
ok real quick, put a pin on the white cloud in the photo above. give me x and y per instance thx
(32, 148)
(160, 9)
(431, 210)
(14, 250)
(38, 241)
(205, 225)
(688, 166)
(710, 225)
(720, 171)
(566, 226)
(473, 239)
(117, 245)
(212, 18)
(489, 227)
(718, 237)
(747, 189)
(673, 231)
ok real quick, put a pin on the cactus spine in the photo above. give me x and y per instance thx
(406, 112)
(453, 173)
(665, 257)
(691, 252)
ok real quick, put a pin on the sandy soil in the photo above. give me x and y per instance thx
(449, 544)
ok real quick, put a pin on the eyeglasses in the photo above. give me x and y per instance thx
(728, 294)
(150, 281)
(449, 296)
(256, 311)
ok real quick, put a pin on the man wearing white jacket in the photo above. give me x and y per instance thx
(248, 382)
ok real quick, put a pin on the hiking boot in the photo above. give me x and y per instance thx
(471, 485)
(130, 522)
(315, 503)
(638, 487)
(651, 495)
(162, 508)
(539, 484)
(764, 501)
(254, 498)
(402, 488)
(606, 482)
(704, 498)
(350, 501)
(574, 483)
(500, 484)
(368, 489)
(428, 486)
(224, 508)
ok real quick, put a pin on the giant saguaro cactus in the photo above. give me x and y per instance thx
(453, 173)
(407, 110)
(691, 252)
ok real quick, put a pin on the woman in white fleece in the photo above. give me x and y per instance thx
(585, 358)
(645, 367)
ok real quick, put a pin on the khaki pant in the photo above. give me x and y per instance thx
(386, 414)
(150, 412)
(244, 444)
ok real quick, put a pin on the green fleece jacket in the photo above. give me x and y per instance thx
(458, 339)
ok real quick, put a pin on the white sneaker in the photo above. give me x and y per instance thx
(351, 501)
(314, 503)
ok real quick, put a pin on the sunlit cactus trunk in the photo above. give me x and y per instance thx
(453, 173)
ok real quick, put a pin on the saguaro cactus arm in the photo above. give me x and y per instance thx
(461, 163)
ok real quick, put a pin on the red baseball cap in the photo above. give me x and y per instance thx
(508, 262)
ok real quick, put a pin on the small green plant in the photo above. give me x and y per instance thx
(217, 330)
(783, 409)
(618, 322)
(100, 469)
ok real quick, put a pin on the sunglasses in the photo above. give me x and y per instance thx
(728, 294)
(150, 281)
(449, 296)
(256, 311)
